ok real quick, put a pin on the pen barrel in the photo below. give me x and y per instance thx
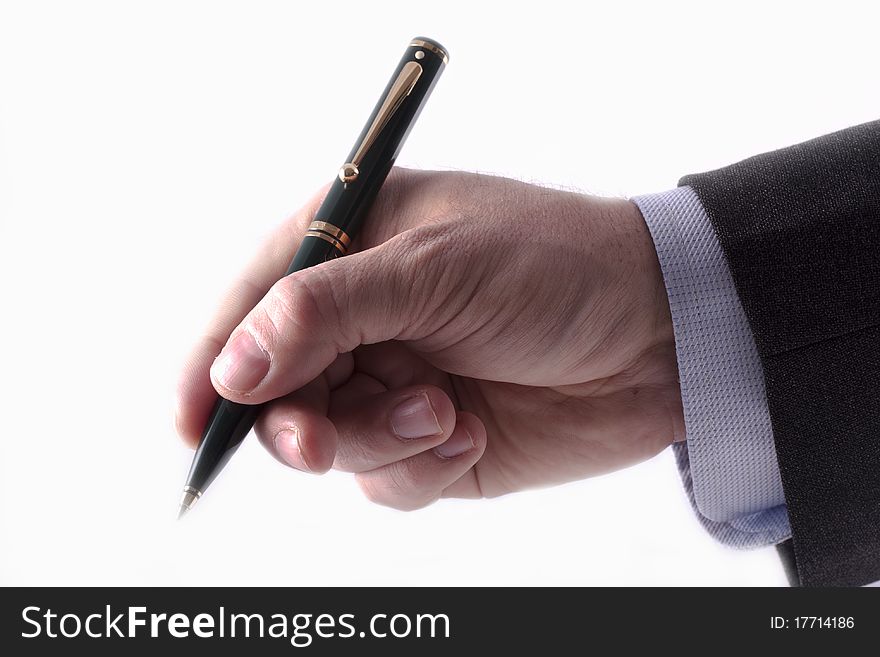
(336, 224)
(348, 202)
(228, 425)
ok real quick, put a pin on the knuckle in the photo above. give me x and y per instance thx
(426, 250)
(411, 198)
(394, 488)
(401, 478)
(372, 489)
(291, 306)
(353, 456)
(434, 260)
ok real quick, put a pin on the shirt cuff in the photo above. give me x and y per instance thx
(728, 462)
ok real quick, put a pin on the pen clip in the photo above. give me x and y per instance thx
(401, 88)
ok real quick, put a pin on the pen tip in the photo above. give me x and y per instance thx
(190, 497)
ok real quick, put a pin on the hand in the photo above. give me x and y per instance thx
(486, 336)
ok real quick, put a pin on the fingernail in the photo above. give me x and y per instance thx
(415, 418)
(458, 443)
(242, 364)
(286, 444)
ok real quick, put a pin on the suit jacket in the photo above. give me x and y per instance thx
(800, 228)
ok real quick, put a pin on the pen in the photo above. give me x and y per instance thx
(330, 235)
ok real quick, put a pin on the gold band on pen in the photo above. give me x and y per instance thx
(323, 236)
(418, 43)
(330, 233)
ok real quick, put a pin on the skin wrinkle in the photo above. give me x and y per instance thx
(498, 321)
(358, 450)
(439, 345)
(420, 252)
(280, 308)
(464, 297)
(626, 318)
(601, 309)
(304, 308)
(463, 399)
(214, 340)
(510, 455)
(363, 446)
(320, 289)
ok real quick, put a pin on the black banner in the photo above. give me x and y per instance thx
(278, 621)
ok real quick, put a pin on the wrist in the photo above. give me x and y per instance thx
(641, 277)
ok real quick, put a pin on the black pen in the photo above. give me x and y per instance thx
(330, 235)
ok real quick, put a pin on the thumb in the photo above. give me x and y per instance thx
(311, 316)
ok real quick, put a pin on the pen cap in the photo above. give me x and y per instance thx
(361, 175)
(397, 109)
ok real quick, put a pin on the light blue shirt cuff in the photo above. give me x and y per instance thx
(728, 462)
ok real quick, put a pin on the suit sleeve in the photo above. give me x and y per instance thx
(800, 233)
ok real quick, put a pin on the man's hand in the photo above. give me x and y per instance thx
(486, 336)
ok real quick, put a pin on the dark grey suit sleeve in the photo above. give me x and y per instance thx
(800, 229)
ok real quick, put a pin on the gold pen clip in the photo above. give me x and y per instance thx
(401, 88)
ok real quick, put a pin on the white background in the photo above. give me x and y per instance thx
(147, 147)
